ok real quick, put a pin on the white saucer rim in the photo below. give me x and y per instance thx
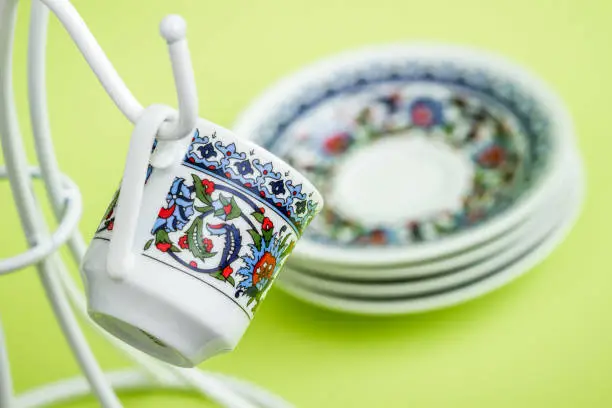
(430, 268)
(464, 294)
(529, 239)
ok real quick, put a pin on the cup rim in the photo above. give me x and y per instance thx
(561, 124)
(296, 175)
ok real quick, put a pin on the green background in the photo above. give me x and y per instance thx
(543, 341)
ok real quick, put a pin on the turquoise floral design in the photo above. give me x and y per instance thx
(268, 252)
(179, 209)
(250, 173)
(477, 130)
(213, 224)
(203, 213)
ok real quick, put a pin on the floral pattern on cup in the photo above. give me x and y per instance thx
(196, 229)
(230, 220)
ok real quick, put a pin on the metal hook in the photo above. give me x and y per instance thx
(173, 30)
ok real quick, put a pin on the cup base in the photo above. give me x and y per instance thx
(140, 339)
(156, 328)
(167, 315)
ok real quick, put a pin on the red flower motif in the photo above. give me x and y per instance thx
(264, 269)
(183, 243)
(191, 160)
(166, 212)
(227, 209)
(228, 175)
(378, 237)
(163, 246)
(422, 115)
(227, 271)
(209, 186)
(249, 185)
(262, 210)
(337, 143)
(492, 157)
(261, 193)
(211, 167)
(267, 224)
(110, 225)
(208, 244)
(193, 264)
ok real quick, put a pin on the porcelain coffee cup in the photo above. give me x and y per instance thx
(188, 249)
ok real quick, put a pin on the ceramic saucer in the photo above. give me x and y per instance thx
(420, 151)
(479, 285)
(450, 262)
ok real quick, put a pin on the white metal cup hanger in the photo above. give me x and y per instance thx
(66, 202)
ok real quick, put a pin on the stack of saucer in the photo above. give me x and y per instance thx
(447, 172)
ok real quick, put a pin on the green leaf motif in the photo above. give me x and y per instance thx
(174, 248)
(200, 190)
(203, 209)
(283, 242)
(194, 239)
(258, 216)
(217, 275)
(231, 281)
(256, 239)
(287, 250)
(161, 236)
(235, 212)
(223, 200)
(148, 244)
(267, 236)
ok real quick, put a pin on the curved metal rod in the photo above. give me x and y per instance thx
(6, 384)
(162, 373)
(51, 175)
(70, 389)
(173, 29)
(31, 217)
(67, 225)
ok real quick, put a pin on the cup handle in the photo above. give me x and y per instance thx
(121, 257)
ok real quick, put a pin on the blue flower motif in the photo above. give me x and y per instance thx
(207, 151)
(179, 208)
(244, 167)
(278, 187)
(426, 112)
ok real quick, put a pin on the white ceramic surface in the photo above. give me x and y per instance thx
(188, 250)
(486, 283)
(308, 252)
(448, 262)
(536, 230)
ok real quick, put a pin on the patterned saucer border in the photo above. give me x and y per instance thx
(518, 100)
